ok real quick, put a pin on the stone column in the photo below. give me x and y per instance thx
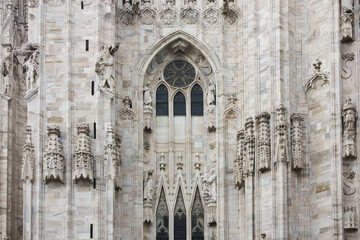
(281, 174)
(28, 158)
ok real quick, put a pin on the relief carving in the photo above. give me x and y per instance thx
(83, 158)
(169, 15)
(28, 157)
(239, 161)
(230, 12)
(346, 21)
(281, 136)
(297, 147)
(204, 64)
(210, 194)
(263, 142)
(126, 15)
(53, 165)
(349, 134)
(104, 67)
(190, 15)
(346, 69)
(33, 3)
(179, 46)
(348, 181)
(211, 14)
(112, 154)
(147, 15)
(249, 147)
(350, 217)
(318, 74)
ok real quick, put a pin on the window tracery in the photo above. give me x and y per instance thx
(179, 73)
(180, 218)
(162, 218)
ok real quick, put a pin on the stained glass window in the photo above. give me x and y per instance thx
(180, 218)
(197, 218)
(162, 104)
(179, 73)
(162, 219)
(179, 104)
(197, 106)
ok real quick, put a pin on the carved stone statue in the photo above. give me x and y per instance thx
(209, 187)
(104, 66)
(148, 186)
(346, 20)
(32, 68)
(349, 135)
(6, 71)
(147, 95)
(28, 157)
(112, 157)
(349, 115)
(211, 95)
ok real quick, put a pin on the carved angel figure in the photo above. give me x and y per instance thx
(147, 95)
(149, 185)
(349, 115)
(209, 187)
(211, 95)
(32, 66)
(104, 66)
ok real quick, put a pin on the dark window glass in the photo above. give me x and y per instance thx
(180, 218)
(179, 73)
(197, 106)
(162, 219)
(179, 104)
(197, 218)
(162, 104)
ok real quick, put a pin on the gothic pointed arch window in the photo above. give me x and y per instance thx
(197, 101)
(180, 218)
(162, 101)
(197, 218)
(162, 218)
(179, 104)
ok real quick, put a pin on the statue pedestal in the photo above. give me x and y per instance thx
(148, 212)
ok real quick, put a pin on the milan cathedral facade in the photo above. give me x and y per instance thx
(179, 119)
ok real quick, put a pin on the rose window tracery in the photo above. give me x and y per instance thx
(179, 73)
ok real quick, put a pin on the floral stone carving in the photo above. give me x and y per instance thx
(211, 14)
(350, 217)
(231, 13)
(297, 146)
(249, 147)
(104, 67)
(169, 15)
(83, 158)
(28, 157)
(349, 135)
(348, 182)
(263, 145)
(53, 165)
(112, 160)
